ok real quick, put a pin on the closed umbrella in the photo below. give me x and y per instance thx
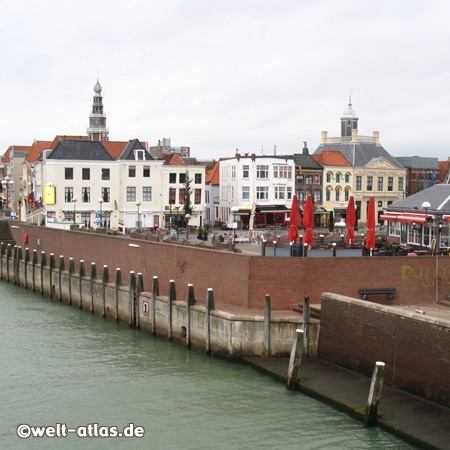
(295, 220)
(308, 222)
(370, 241)
(351, 220)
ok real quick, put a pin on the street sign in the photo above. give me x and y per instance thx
(98, 215)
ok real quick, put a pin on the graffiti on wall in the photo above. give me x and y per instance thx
(426, 275)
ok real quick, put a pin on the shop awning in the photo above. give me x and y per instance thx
(272, 209)
(404, 217)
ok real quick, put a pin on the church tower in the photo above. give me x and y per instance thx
(97, 130)
(349, 120)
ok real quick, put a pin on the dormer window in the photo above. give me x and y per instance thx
(139, 155)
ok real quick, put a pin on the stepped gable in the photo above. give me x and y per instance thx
(80, 150)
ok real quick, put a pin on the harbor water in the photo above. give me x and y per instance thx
(61, 365)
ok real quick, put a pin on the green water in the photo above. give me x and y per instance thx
(63, 365)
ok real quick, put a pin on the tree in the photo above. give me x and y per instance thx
(187, 195)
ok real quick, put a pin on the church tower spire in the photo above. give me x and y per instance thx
(349, 120)
(97, 130)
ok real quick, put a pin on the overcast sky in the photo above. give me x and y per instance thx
(221, 75)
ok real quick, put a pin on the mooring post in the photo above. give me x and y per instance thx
(81, 274)
(26, 260)
(305, 249)
(131, 294)
(263, 247)
(92, 277)
(190, 300)
(105, 279)
(33, 268)
(306, 324)
(274, 248)
(71, 270)
(334, 248)
(50, 273)
(2, 253)
(117, 284)
(8, 258)
(295, 359)
(43, 263)
(14, 260)
(139, 290)
(60, 271)
(376, 386)
(209, 308)
(267, 314)
(17, 265)
(155, 293)
(172, 296)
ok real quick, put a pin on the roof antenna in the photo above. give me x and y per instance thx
(350, 98)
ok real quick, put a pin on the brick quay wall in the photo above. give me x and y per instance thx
(244, 280)
(415, 348)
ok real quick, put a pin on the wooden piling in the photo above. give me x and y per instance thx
(60, 272)
(131, 294)
(171, 297)
(155, 293)
(50, 274)
(43, 263)
(71, 270)
(2, 253)
(92, 277)
(306, 315)
(267, 314)
(376, 386)
(15, 264)
(209, 308)
(190, 300)
(117, 284)
(26, 260)
(8, 258)
(81, 274)
(33, 268)
(105, 279)
(295, 359)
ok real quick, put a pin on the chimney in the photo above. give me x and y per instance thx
(324, 137)
(376, 136)
(305, 148)
(354, 135)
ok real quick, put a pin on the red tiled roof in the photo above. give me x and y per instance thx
(115, 148)
(173, 160)
(443, 169)
(72, 138)
(36, 149)
(332, 158)
(213, 175)
(22, 148)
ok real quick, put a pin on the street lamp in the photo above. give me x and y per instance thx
(187, 217)
(100, 200)
(138, 223)
(143, 259)
(426, 206)
(74, 200)
(234, 210)
(5, 183)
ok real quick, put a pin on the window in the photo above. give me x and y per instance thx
(308, 179)
(233, 173)
(317, 196)
(328, 194)
(172, 193)
(68, 173)
(262, 193)
(245, 171)
(358, 182)
(262, 172)
(282, 171)
(146, 172)
(197, 196)
(85, 194)
(132, 171)
(300, 195)
(182, 178)
(198, 177)
(147, 194)
(245, 193)
(131, 193)
(369, 183)
(300, 179)
(280, 192)
(86, 173)
(390, 184)
(338, 194)
(380, 183)
(328, 177)
(289, 193)
(347, 194)
(338, 177)
(172, 177)
(105, 174)
(347, 177)
(105, 194)
(68, 194)
(139, 155)
(400, 184)
(181, 196)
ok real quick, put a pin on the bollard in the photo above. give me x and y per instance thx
(334, 248)
(190, 300)
(118, 282)
(92, 278)
(71, 271)
(263, 247)
(105, 279)
(274, 248)
(209, 308)
(295, 359)
(267, 326)
(306, 324)
(60, 271)
(155, 293)
(172, 296)
(305, 249)
(376, 386)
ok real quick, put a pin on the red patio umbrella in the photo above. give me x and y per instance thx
(308, 222)
(370, 241)
(295, 220)
(351, 220)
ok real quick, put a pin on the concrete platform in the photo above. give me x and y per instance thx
(416, 420)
